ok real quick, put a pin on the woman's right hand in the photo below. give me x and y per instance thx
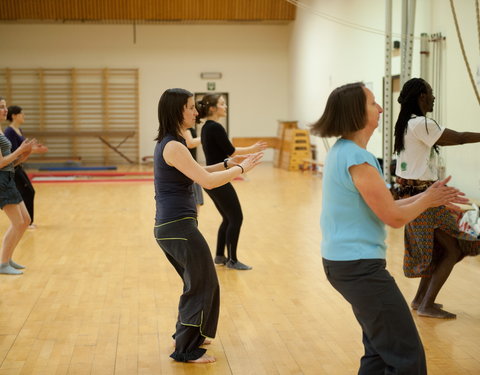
(251, 161)
(439, 194)
(260, 146)
(26, 145)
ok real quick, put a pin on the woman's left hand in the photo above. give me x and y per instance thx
(447, 195)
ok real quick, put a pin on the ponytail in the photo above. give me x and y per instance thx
(204, 105)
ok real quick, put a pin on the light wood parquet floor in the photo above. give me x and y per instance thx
(99, 297)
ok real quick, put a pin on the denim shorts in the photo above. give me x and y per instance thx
(8, 191)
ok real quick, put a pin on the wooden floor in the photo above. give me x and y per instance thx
(99, 297)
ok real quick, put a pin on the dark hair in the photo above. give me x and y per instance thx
(13, 110)
(170, 112)
(344, 113)
(408, 99)
(204, 105)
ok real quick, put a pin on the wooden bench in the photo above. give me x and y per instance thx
(100, 134)
(37, 162)
(272, 142)
(53, 159)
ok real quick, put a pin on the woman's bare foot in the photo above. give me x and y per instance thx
(204, 359)
(434, 312)
(205, 342)
(414, 305)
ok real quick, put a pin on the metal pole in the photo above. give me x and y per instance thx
(387, 94)
(412, 5)
(403, 42)
(408, 26)
(424, 56)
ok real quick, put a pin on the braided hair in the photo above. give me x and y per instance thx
(408, 99)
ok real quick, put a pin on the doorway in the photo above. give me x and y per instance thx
(223, 121)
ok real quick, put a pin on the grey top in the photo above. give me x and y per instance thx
(6, 149)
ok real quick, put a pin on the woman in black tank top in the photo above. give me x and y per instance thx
(176, 229)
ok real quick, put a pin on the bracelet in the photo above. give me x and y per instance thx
(225, 163)
(238, 165)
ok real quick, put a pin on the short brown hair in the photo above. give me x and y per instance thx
(344, 113)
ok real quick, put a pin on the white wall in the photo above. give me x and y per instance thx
(325, 54)
(252, 58)
(461, 110)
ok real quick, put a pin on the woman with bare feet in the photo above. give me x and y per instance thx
(11, 201)
(176, 229)
(433, 241)
(355, 206)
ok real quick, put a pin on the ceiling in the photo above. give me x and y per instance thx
(145, 11)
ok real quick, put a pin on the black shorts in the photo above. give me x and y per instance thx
(8, 191)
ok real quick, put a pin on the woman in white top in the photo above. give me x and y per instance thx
(433, 241)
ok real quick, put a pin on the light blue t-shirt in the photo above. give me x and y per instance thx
(350, 229)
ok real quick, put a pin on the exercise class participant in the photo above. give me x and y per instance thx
(218, 148)
(176, 229)
(356, 205)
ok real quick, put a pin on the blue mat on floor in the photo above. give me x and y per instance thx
(108, 168)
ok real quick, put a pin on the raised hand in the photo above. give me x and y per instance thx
(26, 145)
(39, 149)
(251, 161)
(237, 159)
(260, 146)
(439, 194)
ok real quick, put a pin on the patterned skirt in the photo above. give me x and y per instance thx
(420, 253)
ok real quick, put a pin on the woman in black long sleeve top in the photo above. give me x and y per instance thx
(217, 148)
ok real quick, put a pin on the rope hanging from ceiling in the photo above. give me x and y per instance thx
(462, 47)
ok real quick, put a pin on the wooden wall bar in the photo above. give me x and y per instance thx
(73, 101)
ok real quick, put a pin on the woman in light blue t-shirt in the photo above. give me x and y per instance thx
(356, 205)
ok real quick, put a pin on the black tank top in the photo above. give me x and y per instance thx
(173, 190)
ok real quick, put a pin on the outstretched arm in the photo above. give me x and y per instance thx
(256, 147)
(24, 149)
(373, 190)
(177, 155)
(452, 138)
(39, 149)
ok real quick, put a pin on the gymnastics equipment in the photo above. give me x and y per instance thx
(460, 40)
(283, 126)
(295, 149)
(408, 25)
